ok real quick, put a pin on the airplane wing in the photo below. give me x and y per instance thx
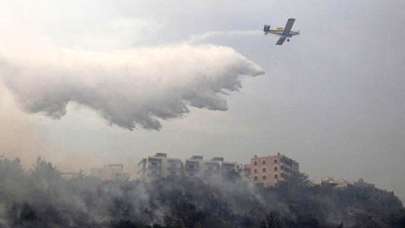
(281, 40)
(288, 26)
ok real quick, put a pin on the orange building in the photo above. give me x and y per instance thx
(270, 170)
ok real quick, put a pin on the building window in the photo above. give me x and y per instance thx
(275, 161)
(255, 178)
(255, 162)
(255, 170)
(264, 177)
(264, 162)
(275, 168)
(276, 176)
(264, 170)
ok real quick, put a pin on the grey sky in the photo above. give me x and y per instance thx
(332, 98)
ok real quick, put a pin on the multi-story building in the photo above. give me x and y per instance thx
(213, 167)
(194, 166)
(270, 170)
(160, 165)
(230, 168)
(174, 167)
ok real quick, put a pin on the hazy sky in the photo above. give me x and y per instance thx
(332, 98)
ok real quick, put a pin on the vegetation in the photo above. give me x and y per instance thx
(41, 197)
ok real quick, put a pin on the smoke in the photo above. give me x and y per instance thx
(19, 137)
(138, 87)
(41, 197)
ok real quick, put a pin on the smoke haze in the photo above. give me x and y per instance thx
(18, 135)
(332, 100)
(128, 88)
(43, 198)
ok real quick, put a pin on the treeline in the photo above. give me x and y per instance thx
(41, 197)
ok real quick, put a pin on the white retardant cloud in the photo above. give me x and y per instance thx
(130, 88)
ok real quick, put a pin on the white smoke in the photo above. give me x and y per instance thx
(138, 87)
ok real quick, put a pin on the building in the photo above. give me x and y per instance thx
(197, 166)
(213, 167)
(270, 170)
(228, 168)
(159, 166)
(174, 167)
(194, 166)
(152, 166)
(110, 172)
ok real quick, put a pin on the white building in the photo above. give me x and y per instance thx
(159, 166)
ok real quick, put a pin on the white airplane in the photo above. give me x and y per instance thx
(285, 33)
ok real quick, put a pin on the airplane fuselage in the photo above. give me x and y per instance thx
(285, 33)
(279, 31)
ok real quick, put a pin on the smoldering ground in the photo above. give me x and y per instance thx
(40, 197)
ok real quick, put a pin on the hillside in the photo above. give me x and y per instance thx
(40, 197)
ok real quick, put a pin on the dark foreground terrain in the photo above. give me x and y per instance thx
(41, 198)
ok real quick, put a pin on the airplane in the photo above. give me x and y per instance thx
(285, 33)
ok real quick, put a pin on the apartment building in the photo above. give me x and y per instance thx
(160, 165)
(270, 170)
(194, 166)
(266, 170)
(213, 166)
